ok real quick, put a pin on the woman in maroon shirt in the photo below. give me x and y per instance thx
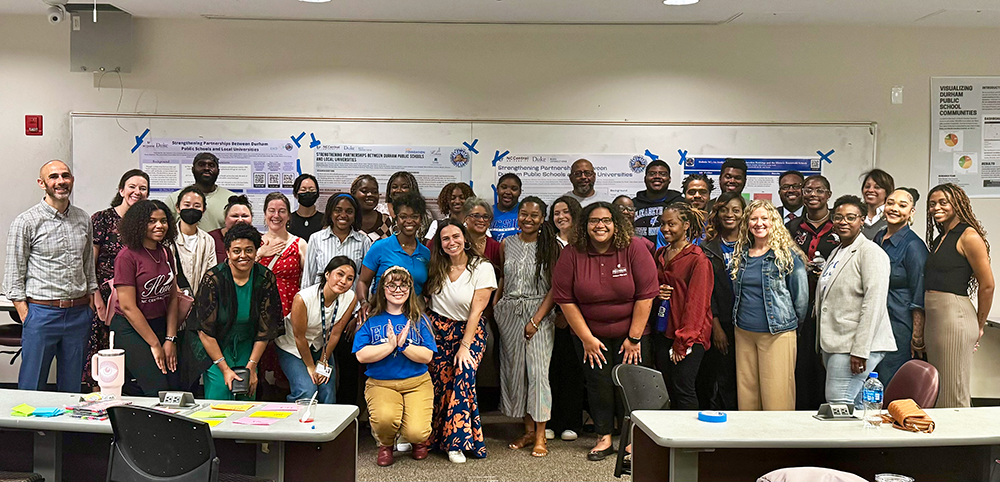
(686, 281)
(606, 287)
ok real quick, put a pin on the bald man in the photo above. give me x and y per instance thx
(49, 275)
(582, 176)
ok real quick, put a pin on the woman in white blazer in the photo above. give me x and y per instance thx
(854, 331)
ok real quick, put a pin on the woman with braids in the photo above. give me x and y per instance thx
(716, 383)
(907, 258)
(459, 284)
(525, 318)
(686, 282)
(771, 298)
(605, 288)
(960, 260)
(376, 224)
(452, 200)
(238, 210)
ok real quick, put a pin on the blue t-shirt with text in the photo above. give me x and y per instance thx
(504, 223)
(395, 366)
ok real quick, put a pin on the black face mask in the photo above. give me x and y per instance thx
(308, 198)
(191, 216)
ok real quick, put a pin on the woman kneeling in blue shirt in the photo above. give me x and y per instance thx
(397, 344)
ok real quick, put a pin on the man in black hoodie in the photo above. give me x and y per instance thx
(650, 203)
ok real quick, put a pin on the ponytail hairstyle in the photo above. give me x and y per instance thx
(413, 308)
(694, 217)
(547, 247)
(914, 197)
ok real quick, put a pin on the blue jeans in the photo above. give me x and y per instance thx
(301, 383)
(895, 359)
(842, 386)
(54, 332)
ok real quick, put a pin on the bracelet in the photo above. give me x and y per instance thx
(251, 361)
(467, 344)
(220, 360)
(532, 321)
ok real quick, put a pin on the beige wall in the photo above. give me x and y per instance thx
(728, 73)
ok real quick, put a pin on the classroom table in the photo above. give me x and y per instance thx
(676, 446)
(286, 450)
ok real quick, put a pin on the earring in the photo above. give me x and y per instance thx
(468, 245)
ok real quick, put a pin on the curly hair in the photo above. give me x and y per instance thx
(332, 201)
(623, 233)
(414, 306)
(779, 240)
(437, 270)
(242, 231)
(129, 174)
(406, 176)
(714, 220)
(134, 225)
(547, 247)
(850, 200)
(698, 176)
(444, 199)
(963, 210)
(694, 217)
(412, 200)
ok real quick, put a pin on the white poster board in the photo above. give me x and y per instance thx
(965, 134)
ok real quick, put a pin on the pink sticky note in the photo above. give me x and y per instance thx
(280, 407)
(256, 421)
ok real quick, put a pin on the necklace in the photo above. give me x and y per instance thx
(157, 261)
(817, 221)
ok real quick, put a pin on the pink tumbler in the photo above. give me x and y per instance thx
(108, 368)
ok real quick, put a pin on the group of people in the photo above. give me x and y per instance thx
(740, 305)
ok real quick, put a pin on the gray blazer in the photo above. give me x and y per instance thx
(851, 311)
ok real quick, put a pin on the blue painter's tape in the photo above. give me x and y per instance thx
(297, 139)
(651, 155)
(498, 157)
(494, 186)
(138, 140)
(684, 156)
(315, 143)
(470, 184)
(298, 166)
(472, 147)
(712, 416)
(826, 157)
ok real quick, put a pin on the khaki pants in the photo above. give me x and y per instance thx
(765, 370)
(403, 407)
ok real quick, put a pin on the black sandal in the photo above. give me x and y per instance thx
(598, 455)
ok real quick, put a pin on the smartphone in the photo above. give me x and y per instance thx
(241, 387)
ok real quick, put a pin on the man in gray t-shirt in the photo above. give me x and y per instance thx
(582, 176)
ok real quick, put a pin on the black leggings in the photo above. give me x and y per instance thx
(681, 377)
(606, 404)
(142, 376)
(566, 379)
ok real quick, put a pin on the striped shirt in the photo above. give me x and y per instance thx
(50, 255)
(324, 246)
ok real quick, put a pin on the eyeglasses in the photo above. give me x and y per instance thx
(604, 221)
(810, 191)
(789, 187)
(626, 209)
(839, 218)
(479, 217)
(582, 173)
(397, 288)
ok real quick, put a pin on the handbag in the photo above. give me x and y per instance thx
(108, 312)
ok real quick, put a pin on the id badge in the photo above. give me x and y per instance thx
(324, 369)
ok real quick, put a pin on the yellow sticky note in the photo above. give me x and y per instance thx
(236, 407)
(209, 414)
(22, 410)
(270, 414)
(212, 421)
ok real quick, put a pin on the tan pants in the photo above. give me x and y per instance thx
(403, 407)
(765, 370)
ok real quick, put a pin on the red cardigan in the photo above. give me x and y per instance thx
(690, 274)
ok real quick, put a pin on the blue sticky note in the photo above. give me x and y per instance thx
(47, 412)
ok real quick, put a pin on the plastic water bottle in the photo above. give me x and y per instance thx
(871, 395)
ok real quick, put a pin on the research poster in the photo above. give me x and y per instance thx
(252, 167)
(762, 173)
(547, 175)
(336, 167)
(965, 134)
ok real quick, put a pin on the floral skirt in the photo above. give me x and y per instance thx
(456, 424)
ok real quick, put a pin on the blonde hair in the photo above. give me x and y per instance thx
(779, 240)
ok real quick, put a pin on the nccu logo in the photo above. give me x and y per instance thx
(619, 271)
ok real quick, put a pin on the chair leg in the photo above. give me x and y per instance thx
(15, 353)
(623, 442)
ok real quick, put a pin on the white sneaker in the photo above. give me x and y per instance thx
(549, 434)
(568, 435)
(456, 456)
(404, 447)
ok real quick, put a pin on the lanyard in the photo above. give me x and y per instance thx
(322, 315)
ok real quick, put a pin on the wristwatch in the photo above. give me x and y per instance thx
(172, 339)
(634, 340)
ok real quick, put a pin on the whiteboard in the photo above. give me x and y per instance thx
(102, 142)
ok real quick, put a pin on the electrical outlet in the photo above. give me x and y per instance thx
(76, 22)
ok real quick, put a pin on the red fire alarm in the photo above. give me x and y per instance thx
(32, 125)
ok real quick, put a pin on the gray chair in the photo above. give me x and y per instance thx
(642, 389)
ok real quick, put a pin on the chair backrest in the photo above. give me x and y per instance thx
(916, 379)
(809, 474)
(643, 387)
(150, 445)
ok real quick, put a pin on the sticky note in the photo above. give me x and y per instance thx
(22, 410)
(47, 412)
(213, 422)
(209, 414)
(256, 421)
(269, 414)
(281, 407)
(236, 407)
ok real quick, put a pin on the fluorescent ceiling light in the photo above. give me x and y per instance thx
(324, 1)
(680, 2)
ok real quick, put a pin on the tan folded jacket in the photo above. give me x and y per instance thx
(906, 415)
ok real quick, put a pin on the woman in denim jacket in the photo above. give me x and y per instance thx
(771, 297)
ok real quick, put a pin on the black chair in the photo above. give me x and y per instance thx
(642, 389)
(154, 446)
(20, 477)
(10, 335)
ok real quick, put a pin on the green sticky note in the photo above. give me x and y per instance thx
(209, 414)
(22, 410)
